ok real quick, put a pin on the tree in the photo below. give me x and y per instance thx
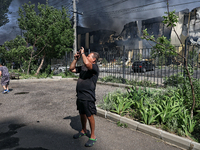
(3, 10)
(48, 31)
(163, 46)
(14, 50)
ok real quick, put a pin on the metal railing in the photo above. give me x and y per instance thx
(119, 64)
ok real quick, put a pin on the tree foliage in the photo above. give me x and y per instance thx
(170, 19)
(163, 46)
(47, 30)
(14, 50)
(3, 11)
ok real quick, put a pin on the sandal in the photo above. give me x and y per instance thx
(90, 142)
(78, 135)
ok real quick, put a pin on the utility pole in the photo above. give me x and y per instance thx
(74, 27)
(75, 13)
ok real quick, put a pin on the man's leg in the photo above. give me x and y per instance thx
(92, 138)
(7, 87)
(4, 87)
(83, 132)
(92, 126)
(83, 123)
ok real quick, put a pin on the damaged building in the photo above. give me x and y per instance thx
(106, 40)
(95, 40)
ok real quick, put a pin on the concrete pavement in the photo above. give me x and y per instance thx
(41, 115)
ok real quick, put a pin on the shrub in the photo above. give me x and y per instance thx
(174, 80)
(109, 100)
(163, 108)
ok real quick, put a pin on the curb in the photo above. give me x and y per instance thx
(41, 80)
(157, 133)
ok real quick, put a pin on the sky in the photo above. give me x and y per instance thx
(101, 14)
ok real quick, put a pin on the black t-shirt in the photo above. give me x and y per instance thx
(87, 80)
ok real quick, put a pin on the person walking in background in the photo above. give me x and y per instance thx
(85, 89)
(5, 78)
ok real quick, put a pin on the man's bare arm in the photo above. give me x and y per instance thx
(72, 67)
(87, 63)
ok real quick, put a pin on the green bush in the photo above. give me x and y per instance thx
(108, 101)
(42, 75)
(69, 74)
(26, 76)
(8, 65)
(163, 108)
(48, 69)
(112, 79)
(174, 80)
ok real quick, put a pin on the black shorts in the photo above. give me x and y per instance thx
(86, 107)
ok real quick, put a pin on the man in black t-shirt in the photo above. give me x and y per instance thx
(85, 89)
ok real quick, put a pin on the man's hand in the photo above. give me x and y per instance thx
(77, 56)
(81, 50)
(72, 67)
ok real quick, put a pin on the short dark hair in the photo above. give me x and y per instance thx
(95, 55)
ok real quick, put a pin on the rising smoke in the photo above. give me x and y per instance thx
(10, 30)
(114, 14)
(100, 14)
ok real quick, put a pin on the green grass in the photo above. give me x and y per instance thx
(43, 75)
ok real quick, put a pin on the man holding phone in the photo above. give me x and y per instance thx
(85, 89)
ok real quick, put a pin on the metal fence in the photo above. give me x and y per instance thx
(118, 63)
(64, 63)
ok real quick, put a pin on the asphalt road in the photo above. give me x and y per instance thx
(43, 116)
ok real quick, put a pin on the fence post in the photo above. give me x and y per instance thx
(186, 41)
(123, 64)
(66, 59)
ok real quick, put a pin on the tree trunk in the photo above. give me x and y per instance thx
(29, 64)
(20, 64)
(40, 66)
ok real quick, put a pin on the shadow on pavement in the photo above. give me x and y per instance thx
(14, 135)
(6, 141)
(76, 124)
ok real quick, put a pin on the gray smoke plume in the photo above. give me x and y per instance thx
(11, 29)
(114, 14)
(100, 14)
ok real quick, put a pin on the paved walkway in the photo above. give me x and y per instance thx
(43, 116)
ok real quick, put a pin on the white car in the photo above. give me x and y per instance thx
(58, 68)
